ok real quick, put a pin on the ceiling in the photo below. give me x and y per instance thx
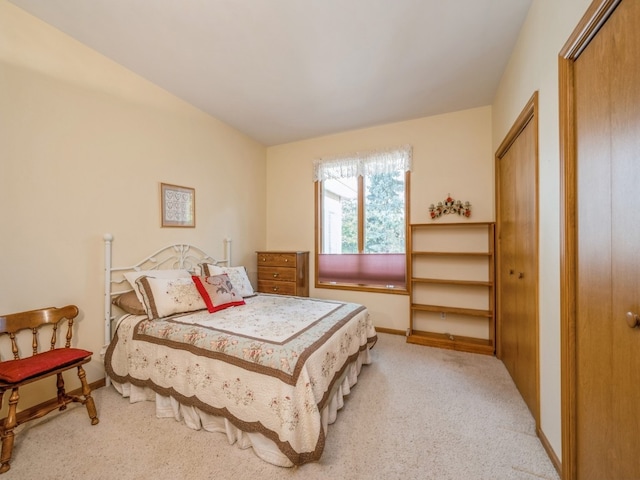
(286, 70)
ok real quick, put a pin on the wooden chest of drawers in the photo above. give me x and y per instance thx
(284, 273)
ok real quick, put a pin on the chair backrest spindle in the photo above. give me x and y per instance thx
(69, 332)
(34, 340)
(14, 346)
(54, 336)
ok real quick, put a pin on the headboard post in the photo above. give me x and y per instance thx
(227, 253)
(108, 238)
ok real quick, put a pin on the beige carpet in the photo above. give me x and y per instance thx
(415, 413)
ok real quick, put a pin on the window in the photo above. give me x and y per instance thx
(362, 220)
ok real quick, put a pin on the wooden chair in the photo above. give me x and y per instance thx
(18, 371)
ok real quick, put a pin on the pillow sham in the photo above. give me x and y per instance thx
(237, 275)
(218, 292)
(162, 297)
(133, 276)
(129, 302)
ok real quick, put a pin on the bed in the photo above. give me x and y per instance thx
(269, 371)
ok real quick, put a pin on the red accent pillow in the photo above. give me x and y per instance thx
(217, 292)
(14, 371)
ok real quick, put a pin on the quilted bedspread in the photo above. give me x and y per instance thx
(268, 366)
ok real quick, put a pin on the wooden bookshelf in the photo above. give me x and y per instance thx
(451, 263)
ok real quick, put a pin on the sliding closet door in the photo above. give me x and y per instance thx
(517, 282)
(607, 333)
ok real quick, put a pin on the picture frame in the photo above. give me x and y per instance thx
(178, 206)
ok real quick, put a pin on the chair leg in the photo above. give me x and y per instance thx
(61, 393)
(7, 432)
(86, 391)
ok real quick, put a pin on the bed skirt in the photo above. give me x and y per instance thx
(267, 450)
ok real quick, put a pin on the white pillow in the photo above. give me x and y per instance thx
(237, 275)
(133, 276)
(163, 297)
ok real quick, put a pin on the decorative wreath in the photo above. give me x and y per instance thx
(450, 206)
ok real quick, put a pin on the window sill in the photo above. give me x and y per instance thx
(363, 288)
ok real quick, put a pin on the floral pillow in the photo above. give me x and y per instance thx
(134, 275)
(163, 297)
(217, 292)
(237, 275)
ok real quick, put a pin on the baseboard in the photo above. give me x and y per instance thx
(31, 410)
(552, 455)
(391, 331)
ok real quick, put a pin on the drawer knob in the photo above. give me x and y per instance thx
(275, 275)
(286, 260)
(275, 289)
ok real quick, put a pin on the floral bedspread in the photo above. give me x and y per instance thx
(268, 366)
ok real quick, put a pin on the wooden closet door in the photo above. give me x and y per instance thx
(517, 256)
(526, 275)
(507, 287)
(607, 93)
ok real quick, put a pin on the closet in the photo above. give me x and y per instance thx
(600, 94)
(517, 254)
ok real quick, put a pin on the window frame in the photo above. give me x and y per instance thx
(404, 290)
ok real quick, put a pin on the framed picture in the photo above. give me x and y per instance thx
(178, 206)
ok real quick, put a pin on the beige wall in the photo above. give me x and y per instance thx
(451, 155)
(84, 144)
(534, 66)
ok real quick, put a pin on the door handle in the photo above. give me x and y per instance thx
(633, 320)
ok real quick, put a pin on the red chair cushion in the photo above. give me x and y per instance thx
(15, 371)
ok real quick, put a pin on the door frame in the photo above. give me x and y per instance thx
(529, 114)
(595, 16)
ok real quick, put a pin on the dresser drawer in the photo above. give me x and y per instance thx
(281, 288)
(282, 274)
(277, 259)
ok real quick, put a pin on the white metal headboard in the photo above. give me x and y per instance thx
(182, 255)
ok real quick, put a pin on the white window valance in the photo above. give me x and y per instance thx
(363, 163)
